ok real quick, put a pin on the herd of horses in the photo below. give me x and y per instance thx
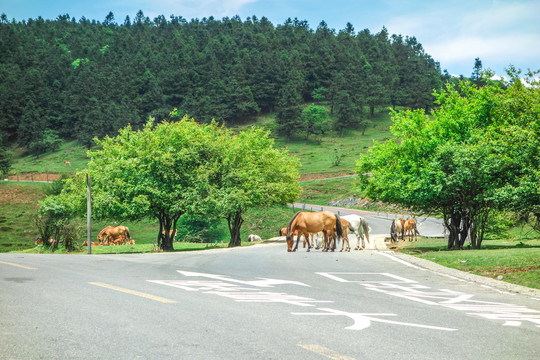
(320, 230)
(403, 227)
(325, 229)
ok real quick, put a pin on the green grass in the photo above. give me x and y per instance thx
(517, 261)
(320, 192)
(19, 203)
(319, 158)
(51, 162)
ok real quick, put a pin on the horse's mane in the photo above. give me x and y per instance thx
(290, 223)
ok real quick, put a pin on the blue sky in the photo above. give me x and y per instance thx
(454, 33)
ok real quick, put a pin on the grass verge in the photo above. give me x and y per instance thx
(516, 262)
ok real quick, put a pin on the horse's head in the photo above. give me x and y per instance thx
(290, 242)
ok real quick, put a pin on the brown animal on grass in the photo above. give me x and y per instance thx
(115, 234)
(85, 243)
(67, 163)
(410, 229)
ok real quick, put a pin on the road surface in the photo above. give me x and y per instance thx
(257, 302)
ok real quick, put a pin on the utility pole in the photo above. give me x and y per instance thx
(88, 214)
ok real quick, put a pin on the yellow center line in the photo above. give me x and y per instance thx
(133, 292)
(17, 265)
(321, 350)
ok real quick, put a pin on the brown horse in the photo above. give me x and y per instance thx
(114, 234)
(346, 226)
(283, 232)
(410, 229)
(310, 223)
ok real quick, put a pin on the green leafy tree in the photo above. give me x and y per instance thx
(6, 159)
(49, 141)
(346, 112)
(478, 154)
(289, 110)
(250, 173)
(316, 121)
(170, 169)
(147, 173)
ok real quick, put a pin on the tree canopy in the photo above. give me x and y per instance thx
(476, 153)
(166, 170)
(84, 79)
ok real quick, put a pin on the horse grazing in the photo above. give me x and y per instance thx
(283, 232)
(310, 223)
(67, 163)
(410, 229)
(397, 228)
(114, 234)
(254, 237)
(346, 227)
(361, 229)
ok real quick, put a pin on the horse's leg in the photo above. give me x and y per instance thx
(297, 241)
(306, 235)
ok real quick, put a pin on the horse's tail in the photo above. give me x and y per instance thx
(365, 227)
(339, 229)
(290, 224)
(127, 232)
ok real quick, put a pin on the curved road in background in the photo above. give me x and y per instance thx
(379, 223)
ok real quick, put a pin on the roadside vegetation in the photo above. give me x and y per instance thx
(513, 259)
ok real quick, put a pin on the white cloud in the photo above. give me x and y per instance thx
(499, 33)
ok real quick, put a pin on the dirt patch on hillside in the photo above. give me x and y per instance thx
(309, 177)
(34, 176)
(20, 195)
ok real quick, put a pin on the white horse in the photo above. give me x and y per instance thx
(254, 237)
(361, 230)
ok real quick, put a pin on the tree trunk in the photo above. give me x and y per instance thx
(234, 228)
(452, 221)
(165, 234)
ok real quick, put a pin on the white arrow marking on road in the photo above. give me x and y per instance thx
(263, 282)
(363, 320)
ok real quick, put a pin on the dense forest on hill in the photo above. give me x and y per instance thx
(79, 79)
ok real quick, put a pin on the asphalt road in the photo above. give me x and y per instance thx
(258, 302)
